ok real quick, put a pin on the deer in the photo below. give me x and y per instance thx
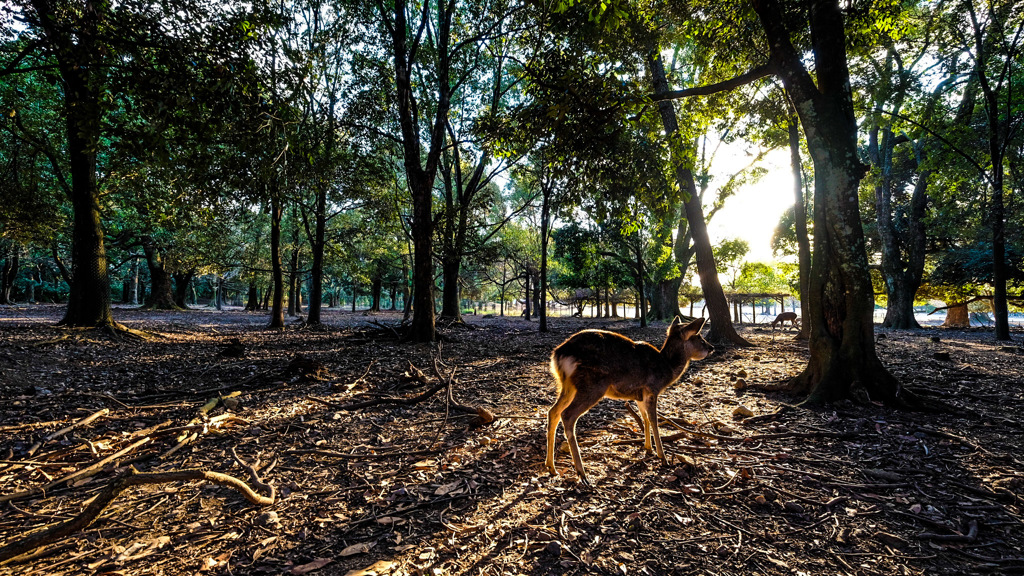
(595, 364)
(784, 317)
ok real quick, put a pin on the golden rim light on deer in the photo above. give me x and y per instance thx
(596, 364)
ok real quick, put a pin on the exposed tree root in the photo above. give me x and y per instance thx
(12, 551)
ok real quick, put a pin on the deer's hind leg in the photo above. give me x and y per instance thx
(566, 393)
(589, 392)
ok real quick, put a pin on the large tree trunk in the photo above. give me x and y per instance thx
(78, 59)
(545, 225)
(840, 300)
(526, 299)
(800, 220)
(421, 168)
(450, 301)
(376, 287)
(277, 272)
(294, 307)
(957, 316)
(252, 302)
(161, 296)
(722, 329)
(316, 277)
(182, 280)
(133, 284)
(665, 299)
(7, 274)
(89, 301)
(999, 132)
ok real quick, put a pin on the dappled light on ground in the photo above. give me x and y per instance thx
(754, 484)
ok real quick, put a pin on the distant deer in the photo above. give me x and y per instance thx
(595, 364)
(781, 319)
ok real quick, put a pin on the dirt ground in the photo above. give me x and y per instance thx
(417, 488)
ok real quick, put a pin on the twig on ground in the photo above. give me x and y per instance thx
(11, 551)
(84, 421)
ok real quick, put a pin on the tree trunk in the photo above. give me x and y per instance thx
(450, 303)
(277, 272)
(665, 299)
(89, 300)
(957, 316)
(161, 296)
(182, 280)
(252, 303)
(545, 224)
(293, 276)
(722, 329)
(800, 218)
(840, 300)
(74, 45)
(7, 274)
(526, 299)
(375, 289)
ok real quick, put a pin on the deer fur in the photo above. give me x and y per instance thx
(784, 317)
(596, 364)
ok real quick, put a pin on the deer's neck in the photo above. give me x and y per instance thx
(677, 360)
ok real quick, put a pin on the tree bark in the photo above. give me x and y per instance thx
(957, 316)
(421, 169)
(526, 299)
(998, 134)
(89, 300)
(800, 218)
(293, 272)
(74, 45)
(843, 361)
(160, 295)
(375, 290)
(252, 302)
(277, 272)
(545, 225)
(722, 330)
(7, 274)
(181, 284)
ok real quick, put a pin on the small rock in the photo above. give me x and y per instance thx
(936, 339)
(943, 356)
(269, 520)
(742, 411)
(760, 499)
(794, 507)
(554, 548)
(881, 337)
(739, 384)
(231, 403)
(741, 374)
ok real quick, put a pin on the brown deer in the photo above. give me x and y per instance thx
(595, 364)
(781, 319)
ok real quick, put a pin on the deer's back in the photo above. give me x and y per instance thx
(620, 360)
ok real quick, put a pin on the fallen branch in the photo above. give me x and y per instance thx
(88, 419)
(381, 401)
(11, 552)
(344, 456)
(254, 476)
(971, 536)
(83, 473)
(484, 415)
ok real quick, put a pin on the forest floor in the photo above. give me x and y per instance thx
(416, 488)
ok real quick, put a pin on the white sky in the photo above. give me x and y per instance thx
(754, 211)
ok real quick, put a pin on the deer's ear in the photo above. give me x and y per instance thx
(694, 327)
